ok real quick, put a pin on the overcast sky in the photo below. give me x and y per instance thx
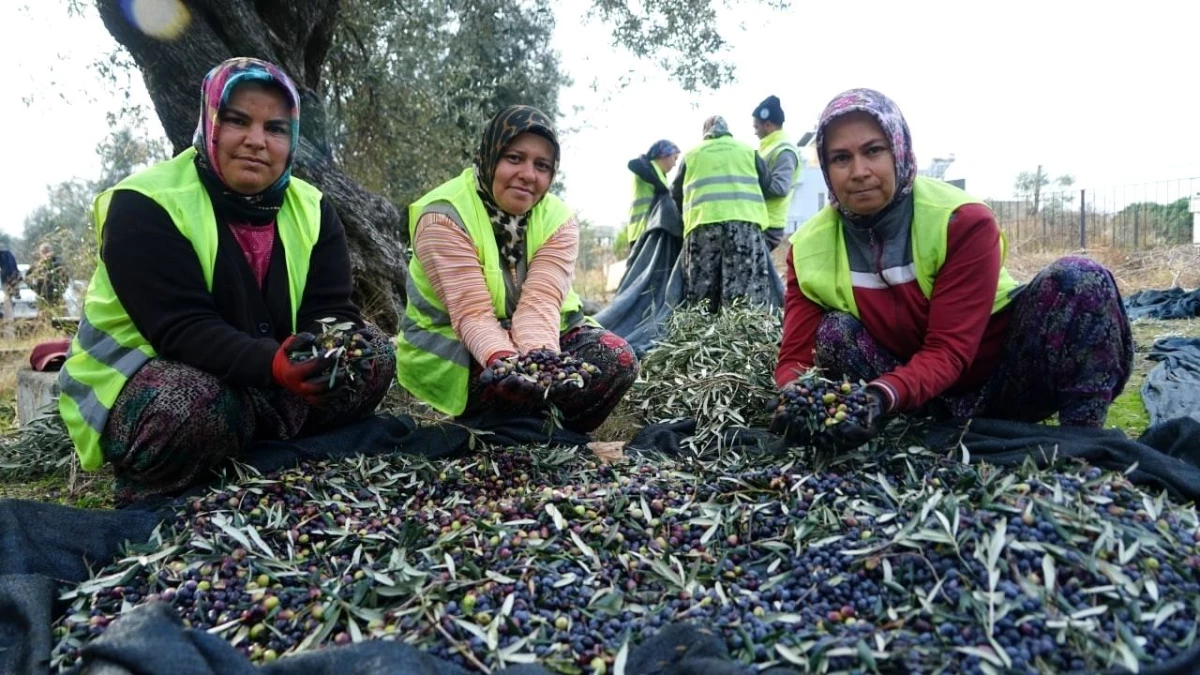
(1108, 95)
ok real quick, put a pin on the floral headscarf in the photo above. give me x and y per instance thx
(215, 92)
(715, 126)
(887, 114)
(499, 133)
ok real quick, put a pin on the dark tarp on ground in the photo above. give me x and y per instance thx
(653, 281)
(1167, 455)
(1174, 303)
(44, 545)
(151, 639)
(1172, 389)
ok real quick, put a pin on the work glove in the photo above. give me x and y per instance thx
(851, 434)
(794, 431)
(308, 379)
(501, 380)
(665, 437)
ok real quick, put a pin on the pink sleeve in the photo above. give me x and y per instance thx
(452, 266)
(537, 320)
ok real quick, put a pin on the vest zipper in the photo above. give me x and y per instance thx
(877, 250)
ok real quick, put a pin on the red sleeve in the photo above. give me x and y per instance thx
(959, 311)
(801, 317)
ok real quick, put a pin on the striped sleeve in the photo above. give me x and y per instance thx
(448, 256)
(551, 272)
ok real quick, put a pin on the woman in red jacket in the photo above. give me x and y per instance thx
(900, 282)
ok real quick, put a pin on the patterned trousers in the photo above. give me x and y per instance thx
(172, 424)
(726, 261)
(1069, 351)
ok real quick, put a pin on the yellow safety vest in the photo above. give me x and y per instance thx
(108, 349)
(823, 266)
(639, 210)
(773, 145)
(721, 184)
(431, 362)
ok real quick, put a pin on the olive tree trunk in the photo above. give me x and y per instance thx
(295, 35)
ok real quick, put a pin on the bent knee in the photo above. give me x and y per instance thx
(620, 353)
(1076, 273)
(835, 326)
(172, 395)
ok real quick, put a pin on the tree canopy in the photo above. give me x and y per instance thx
(64, 220)
(395, 93)
(409, 85)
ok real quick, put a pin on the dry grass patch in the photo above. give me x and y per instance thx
(1159, 268)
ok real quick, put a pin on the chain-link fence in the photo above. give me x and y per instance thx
(1127, 217)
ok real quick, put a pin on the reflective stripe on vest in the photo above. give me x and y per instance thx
(104, 350)
(823, 266)
(721, 184)
(772, 146)
(431, 362)
(108, 349)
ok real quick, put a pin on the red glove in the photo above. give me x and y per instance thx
(307, 379)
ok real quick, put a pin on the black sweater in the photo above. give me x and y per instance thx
(234, 331)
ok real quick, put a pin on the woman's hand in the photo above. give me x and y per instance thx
(503, 380)
(851, 434)
(308, 379)
(813, 411)
(794, 430)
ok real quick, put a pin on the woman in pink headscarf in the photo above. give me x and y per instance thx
(900, 282)
(215, 266)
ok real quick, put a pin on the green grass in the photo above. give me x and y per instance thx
(1128, 413)
(87, 491)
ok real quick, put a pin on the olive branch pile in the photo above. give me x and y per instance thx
(350, 352)
(717, 369)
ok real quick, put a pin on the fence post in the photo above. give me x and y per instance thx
(1083, 220)
(1136, 222)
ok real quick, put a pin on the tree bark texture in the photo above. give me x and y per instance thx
(295, 35)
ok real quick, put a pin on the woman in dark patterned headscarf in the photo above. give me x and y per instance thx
(218, 265)
(900, 282)
(499, 134)
(490, 282)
